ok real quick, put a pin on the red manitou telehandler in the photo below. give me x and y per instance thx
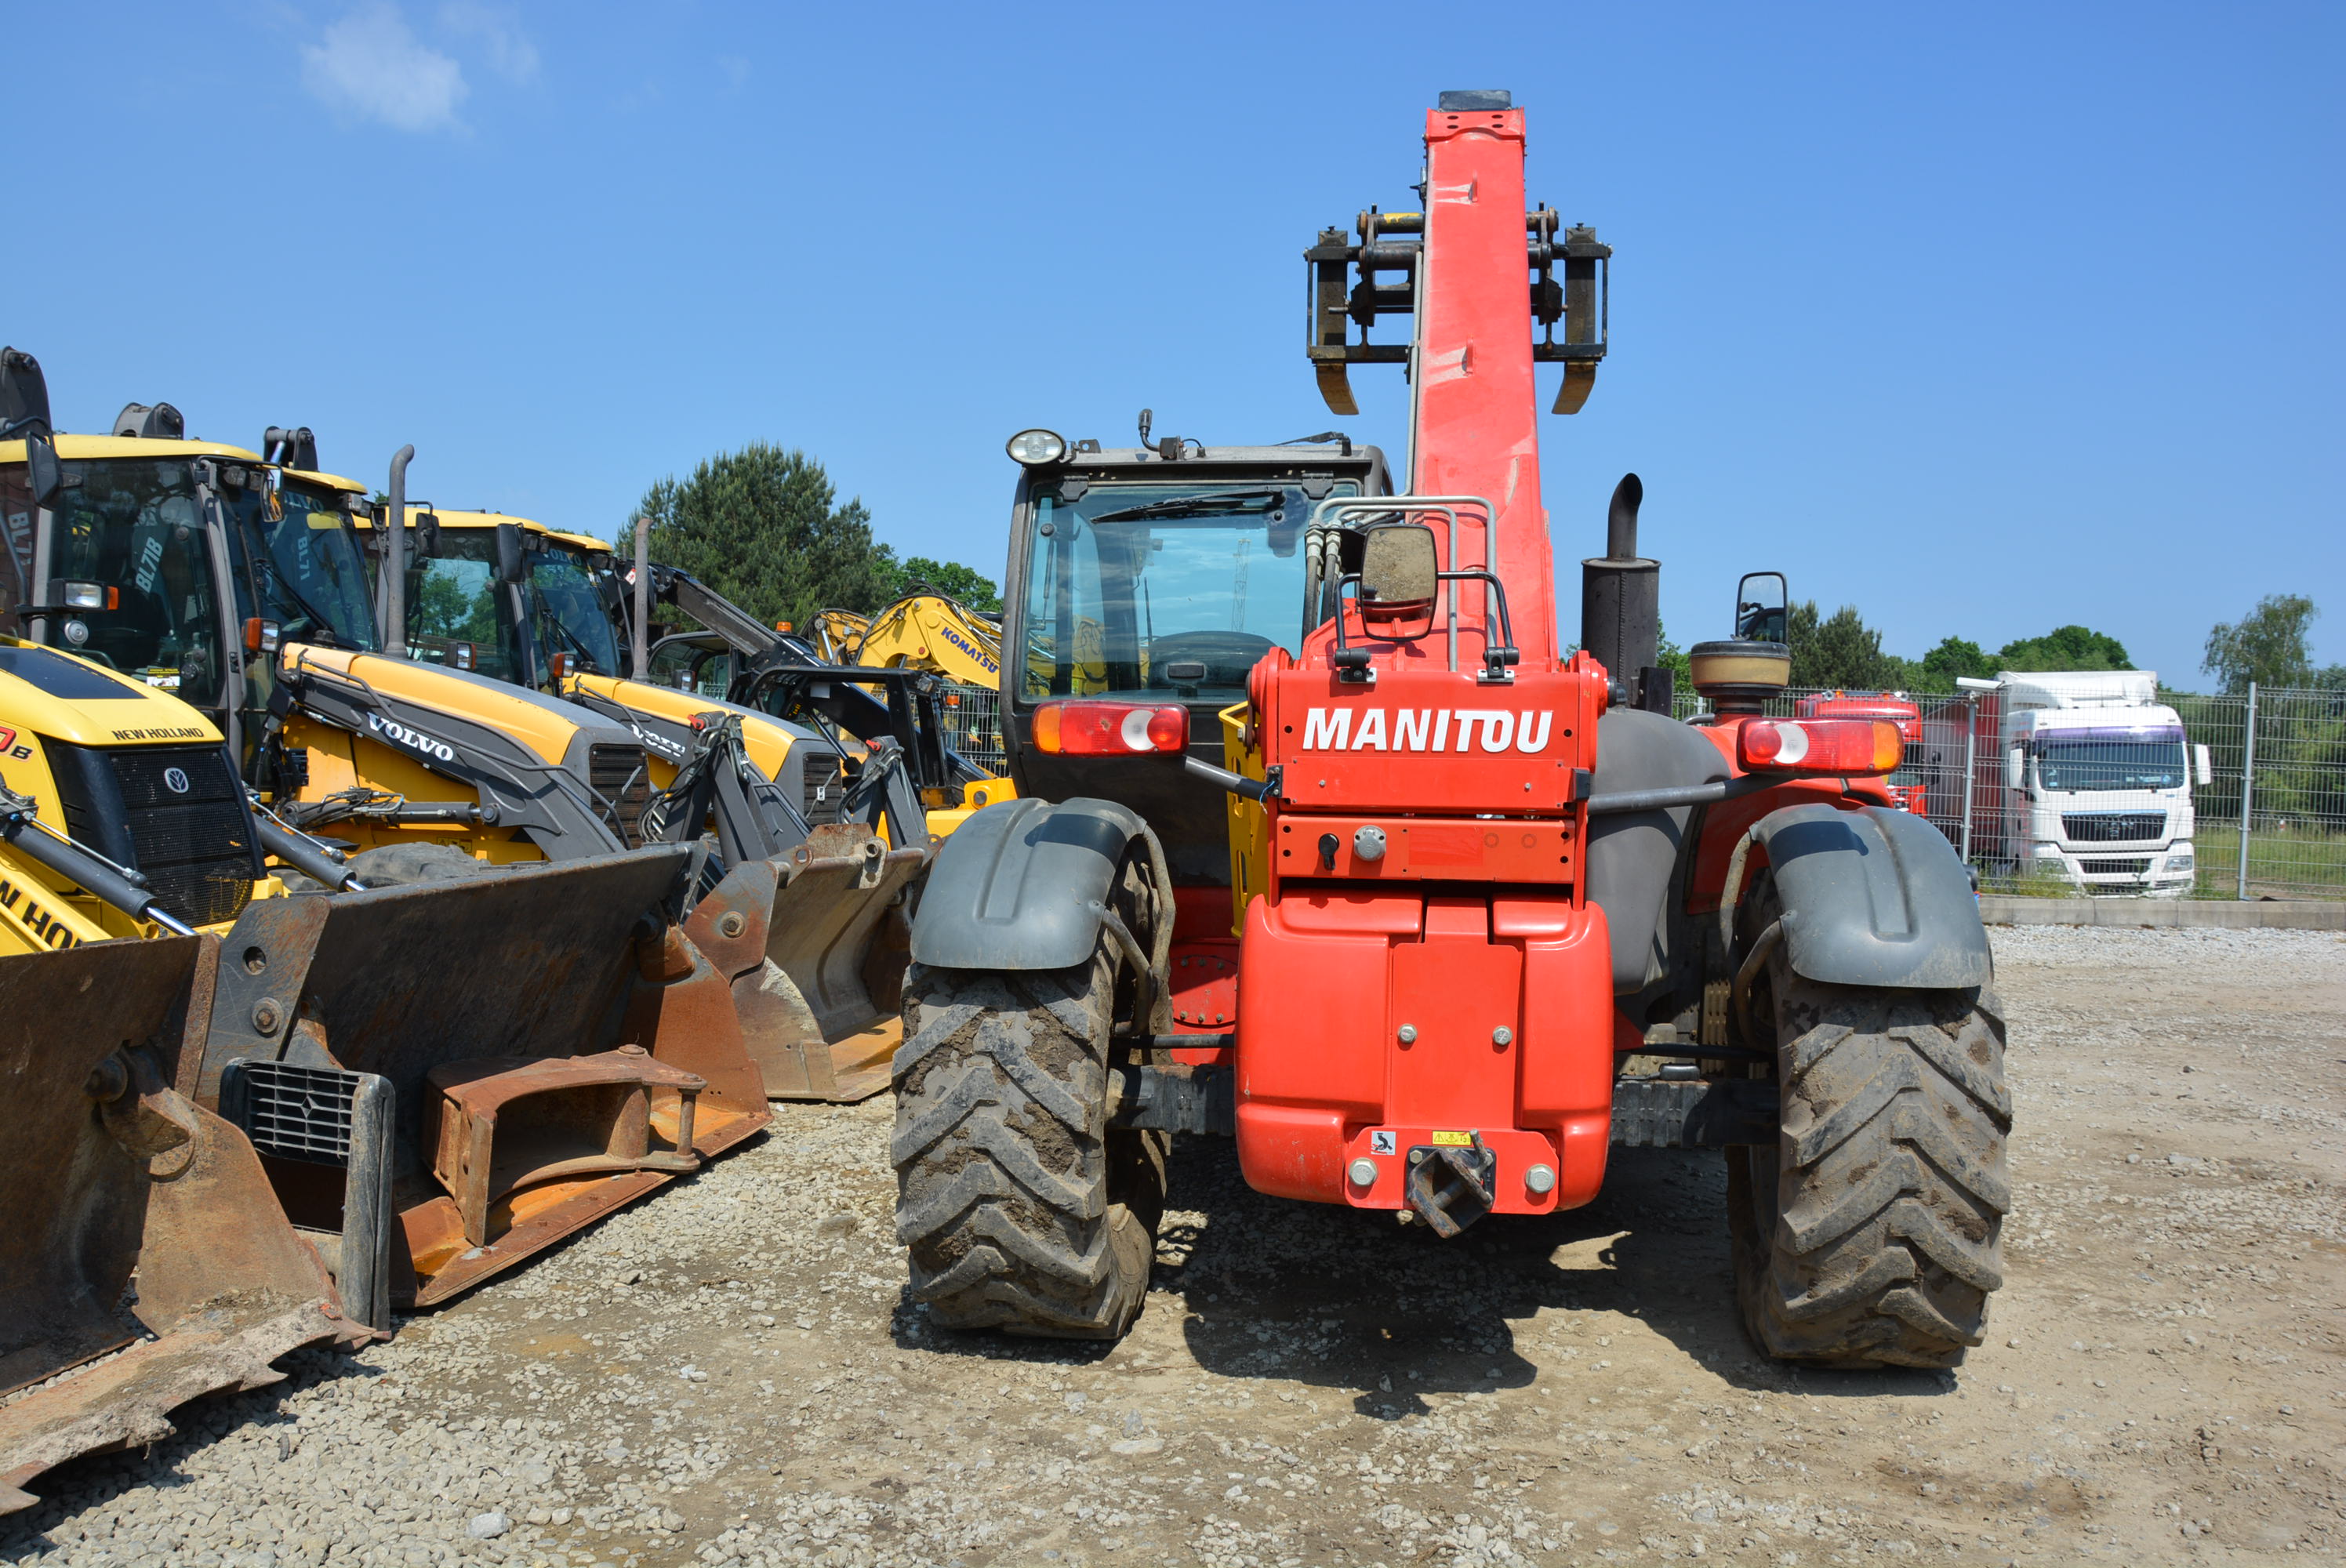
(1323, 844)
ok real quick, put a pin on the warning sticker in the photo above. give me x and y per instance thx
(1462, 1140)
(1383, 1141)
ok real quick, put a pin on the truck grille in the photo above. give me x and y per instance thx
(2132, 866)
(175, 814)
(2114, 827)
(618, 774)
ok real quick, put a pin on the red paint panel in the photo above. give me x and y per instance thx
(1455, 994)
(1566, 1084)
(1291, 1151)
(1338, 911)
(1311, 1011)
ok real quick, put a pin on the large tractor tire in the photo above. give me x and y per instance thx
(1870, 1236)
(1022, 1209)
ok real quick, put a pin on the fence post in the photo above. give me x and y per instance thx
(1970, 765)
(2247, 794)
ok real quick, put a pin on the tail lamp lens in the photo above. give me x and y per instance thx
(1820, 745)
(1109, 728)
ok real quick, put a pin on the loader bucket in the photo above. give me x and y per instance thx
(554, 1048)
(815, 944)
(134, 1218)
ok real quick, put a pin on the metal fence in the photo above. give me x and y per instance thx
(2267, 770)
(972, 718)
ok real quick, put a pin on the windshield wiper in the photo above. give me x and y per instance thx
(1192, 506)
(318, 620)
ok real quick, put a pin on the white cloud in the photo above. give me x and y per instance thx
(370, 67)
(498, 28)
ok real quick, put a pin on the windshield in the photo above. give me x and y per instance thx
(1184, 600)
(132, 526)
(313, 580)
(2074, 766)
(571, 609)
(456, 608)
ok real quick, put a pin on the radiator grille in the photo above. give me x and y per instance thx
(177, 816)
(294, 1112)
(2131, 866)
(618, 774)
(2114, 827)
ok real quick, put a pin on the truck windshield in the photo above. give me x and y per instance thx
(1135, 590)
(133, 528)
(2074, 767)
(313, 579)
(456, 609)
(576, 621)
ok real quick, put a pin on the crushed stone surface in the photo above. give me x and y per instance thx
(732, 1372)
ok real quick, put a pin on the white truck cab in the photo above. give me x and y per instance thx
(2097, 776)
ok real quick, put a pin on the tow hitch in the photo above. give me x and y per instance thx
(1450, 1185)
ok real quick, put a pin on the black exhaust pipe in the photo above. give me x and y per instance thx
(1621, 606)
(395, 557)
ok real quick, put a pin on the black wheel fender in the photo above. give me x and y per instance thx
(1024, 885)
(1874, 897)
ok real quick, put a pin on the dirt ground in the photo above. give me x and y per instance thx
(732, 1372)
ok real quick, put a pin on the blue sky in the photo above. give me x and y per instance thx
(1984, 319)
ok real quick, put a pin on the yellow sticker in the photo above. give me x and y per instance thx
(1463, 1140)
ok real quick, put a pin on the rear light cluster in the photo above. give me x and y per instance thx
(1109, 728)
(1838, 745)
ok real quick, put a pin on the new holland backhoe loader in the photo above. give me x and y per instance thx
(1346, 859)
(463, 1072)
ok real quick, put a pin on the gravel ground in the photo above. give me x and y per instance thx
(730, 1373)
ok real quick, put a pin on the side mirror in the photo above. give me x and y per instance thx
(1400, 578)
(42, 468)
(427, 536)
(1762, 608)
(2015, 768)
(2202, 767)
(511, 566)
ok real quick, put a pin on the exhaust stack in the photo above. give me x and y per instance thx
(395, 557)
(1621, 606)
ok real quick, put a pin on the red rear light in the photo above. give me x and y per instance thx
(1816, 746)
(1109, 728)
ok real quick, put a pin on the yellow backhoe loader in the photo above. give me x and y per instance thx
(463, 1071)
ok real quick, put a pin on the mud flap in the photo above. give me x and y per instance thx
(814, 944)
(113, 1175)
(501, 1006)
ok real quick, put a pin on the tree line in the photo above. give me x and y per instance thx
(2272, 645)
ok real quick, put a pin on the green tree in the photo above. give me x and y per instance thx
(2065, 647)
(967, 583)
(1840, 650)
(764, 527)
(1954, 656)
(2267, 645)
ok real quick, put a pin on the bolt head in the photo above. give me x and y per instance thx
(1363, 1173)
(1503, 1035)
(1540, 1178)
(730, 923)
(1407, 1034)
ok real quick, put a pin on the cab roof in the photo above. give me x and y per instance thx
(450, 518)
(71, 448)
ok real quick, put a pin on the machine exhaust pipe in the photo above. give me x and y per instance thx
(1621, 606)
(395, 557)
(641, 634)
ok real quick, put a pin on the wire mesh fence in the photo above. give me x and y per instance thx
(2239, 794)
(972, 720)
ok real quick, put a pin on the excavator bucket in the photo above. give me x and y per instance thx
(815, 943)
(139, 1227)
(553, 1046)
